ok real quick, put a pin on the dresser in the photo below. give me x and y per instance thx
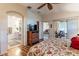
(33, 34)
(32, 37)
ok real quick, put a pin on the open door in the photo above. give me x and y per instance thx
(14, 30)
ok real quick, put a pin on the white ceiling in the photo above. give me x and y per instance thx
(71, 7)
(60, 7)
(33, 5)
(44, 9)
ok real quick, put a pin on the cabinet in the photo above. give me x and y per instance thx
(32, 37)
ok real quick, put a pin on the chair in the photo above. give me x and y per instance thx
(75, 42)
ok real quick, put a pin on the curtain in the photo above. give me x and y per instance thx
(72, 27)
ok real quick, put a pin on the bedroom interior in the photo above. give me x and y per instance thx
(47, 29)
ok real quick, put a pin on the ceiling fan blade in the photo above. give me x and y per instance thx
(50, 7)
(41, 6)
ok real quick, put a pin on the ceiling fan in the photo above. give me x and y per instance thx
(49, 5)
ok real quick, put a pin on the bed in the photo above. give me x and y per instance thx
(51, 47)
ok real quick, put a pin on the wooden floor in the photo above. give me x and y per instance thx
(17, 51)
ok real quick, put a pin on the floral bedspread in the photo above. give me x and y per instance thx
(52, 48)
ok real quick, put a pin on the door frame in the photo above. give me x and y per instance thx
(22, 28)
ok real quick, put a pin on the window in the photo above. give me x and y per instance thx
(62, 26)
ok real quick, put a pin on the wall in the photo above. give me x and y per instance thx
(4, 8)
(33, 17)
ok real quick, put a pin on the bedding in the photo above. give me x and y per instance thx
(50, 47)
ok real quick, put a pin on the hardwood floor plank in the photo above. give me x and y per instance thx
(17, 51)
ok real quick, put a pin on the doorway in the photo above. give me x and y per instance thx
(45, 30)
(14, 30)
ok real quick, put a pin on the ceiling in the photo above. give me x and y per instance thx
(60, 7)
(34, 6)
